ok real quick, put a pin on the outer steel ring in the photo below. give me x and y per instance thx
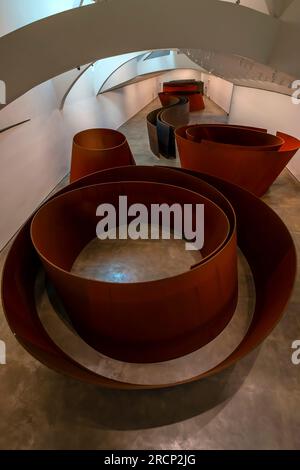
(262, 236)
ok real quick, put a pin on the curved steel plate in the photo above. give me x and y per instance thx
(244, 156)
(98, 149)
(262, 237)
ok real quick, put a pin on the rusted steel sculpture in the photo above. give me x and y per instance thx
(179, 313)
(191, 89)
(248, 157)
(189, 84)
(98, 149)
(262, 237)
(161, 124)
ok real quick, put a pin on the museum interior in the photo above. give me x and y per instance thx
(150, 224)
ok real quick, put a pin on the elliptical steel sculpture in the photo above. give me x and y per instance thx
(98, 149)
(246, 156)
(144, 321)
(268, 248)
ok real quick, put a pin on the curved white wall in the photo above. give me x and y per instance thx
(269, 110)
(218, 90)
(17, 13)
(139, 67)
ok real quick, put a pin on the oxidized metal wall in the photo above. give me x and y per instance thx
(98, 149)
(245, 156)
(191, 89)
(161, 124)
(179, 313)
(262, 237)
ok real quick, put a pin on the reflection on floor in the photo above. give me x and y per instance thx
(254, 405)
(134, 260)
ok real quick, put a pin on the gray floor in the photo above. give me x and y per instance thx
(253, 405)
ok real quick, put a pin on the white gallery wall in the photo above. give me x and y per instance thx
(269, 110)
(183, 74)
(140, 66)
(218, 90)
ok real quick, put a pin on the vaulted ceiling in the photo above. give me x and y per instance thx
(222, 36)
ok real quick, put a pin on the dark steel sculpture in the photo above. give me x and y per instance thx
(262, 237)
(98, 149)
(248, 157)
(191, 89)
(162, 122)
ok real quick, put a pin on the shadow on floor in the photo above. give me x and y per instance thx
(132, 410)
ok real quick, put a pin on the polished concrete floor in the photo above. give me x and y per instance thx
(255, 405)
(126, 261)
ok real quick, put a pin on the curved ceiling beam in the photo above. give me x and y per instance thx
(162, 68)
(152, 66)
(141, 78)
(52, 46)
(137, 79)
(63, 100)
(118, 68)
(74, 76)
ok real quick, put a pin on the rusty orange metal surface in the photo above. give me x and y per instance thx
(184, 85)
(240, 137)
(98, 149)
(179, 86)
(196, 102)
(245, 156)
(191, 89)
(178, 313)
(262, 237)
(167, 99)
